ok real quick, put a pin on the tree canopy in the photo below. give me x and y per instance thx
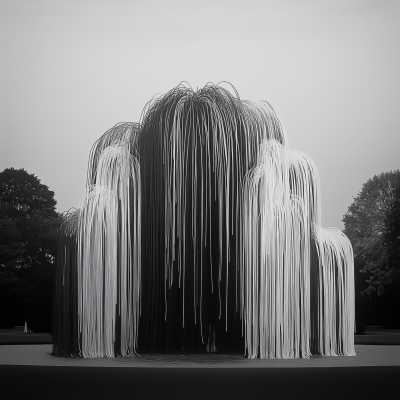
(391, 239)
(366, 224)
(28, 237)
(28, 220)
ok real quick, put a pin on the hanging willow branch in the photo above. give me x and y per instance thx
(109, 257)
(65, 297)
(334, 286)
(123, 133)
(199, 232)
(280, 206)
(195, 148)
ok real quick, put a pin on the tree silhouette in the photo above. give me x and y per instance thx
(365, 225)
(391, 239)
(28, 234)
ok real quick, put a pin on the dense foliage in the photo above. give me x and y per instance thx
(391, 240)
(28, 237)
(366, 223)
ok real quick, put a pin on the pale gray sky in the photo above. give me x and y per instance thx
(70, 70)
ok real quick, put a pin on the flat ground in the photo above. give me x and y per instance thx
(39, 355)
(30, 370)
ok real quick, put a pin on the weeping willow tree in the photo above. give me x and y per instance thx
(97, 290)
(200, 232)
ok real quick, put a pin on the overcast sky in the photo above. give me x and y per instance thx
(70, 70)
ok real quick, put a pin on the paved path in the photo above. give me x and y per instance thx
(29, 371)
(39, 354)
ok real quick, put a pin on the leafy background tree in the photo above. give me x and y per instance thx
(391, 240)
(370, 226)
(28, 232)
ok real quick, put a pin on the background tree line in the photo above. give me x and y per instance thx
(28, 240)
